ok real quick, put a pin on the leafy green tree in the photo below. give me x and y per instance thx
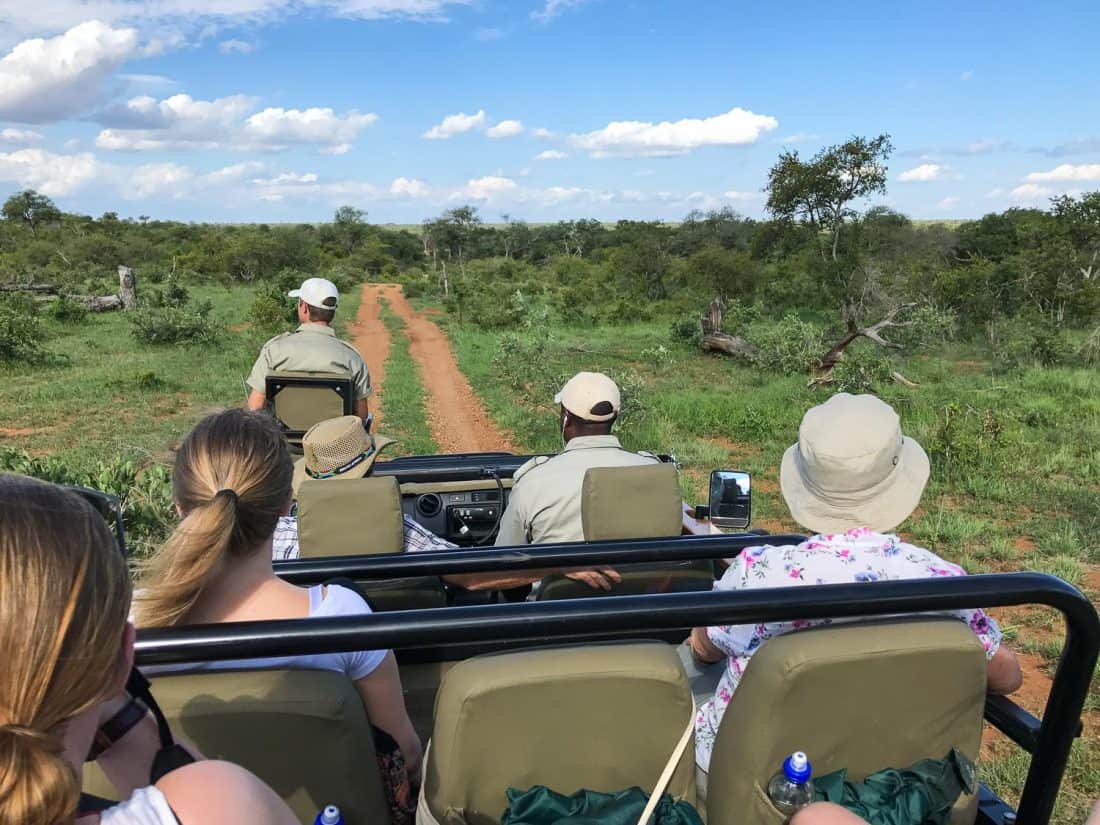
(31, 208)
(820, 191)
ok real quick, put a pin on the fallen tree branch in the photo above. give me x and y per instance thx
(125, 299)
(729, 344)
(46, 289)
(823, 373)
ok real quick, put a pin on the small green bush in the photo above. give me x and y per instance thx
(930, 326)
(863, 369)
(965, 440)
(172, 295)
(789, 346)
(67, 311)
(1027, 340)
(21, 333)
(686, 329)
(192, 323)
(271, 309)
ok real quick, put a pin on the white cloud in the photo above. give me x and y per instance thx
(281, 127)
(235, 46)
(24, 16)
(924, 172)
(967, 75)
(734, 195)
(412, 187)
(235, 172)
(948, 203)
(551, 154)
(154, 178)
(181, 122)
(1031, 193)
(542, 133)
(49, 173)
(644, 139)
(20, 137)
(45, 80)
(505, 129)
(1067, 173)
(800, 137)
(489, 187)
(553, 8)
(286, 177)
(456, 125)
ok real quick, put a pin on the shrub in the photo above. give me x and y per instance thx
(173, 295)
(1025, 340)
(67, 311)
(738, 317)
(192, 323)
(21, 333)
(271, 309)
(965, 439)
(686, 329)
(789, 346)
(657, 356)
(145, 492)
(863, 369)
(930, 327)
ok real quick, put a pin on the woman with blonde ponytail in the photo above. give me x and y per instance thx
(231, 483)
(68, 648)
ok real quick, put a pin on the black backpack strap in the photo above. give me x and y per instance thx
(91, 804)
(171, 755)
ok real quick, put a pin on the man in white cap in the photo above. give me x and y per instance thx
(313, 347)
(851, 479)
(545, 503)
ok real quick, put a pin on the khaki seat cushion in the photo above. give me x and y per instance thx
(350, 517)
(857, 696)
(303, 732)
(603, 717)
(631, 502)
(300, 407)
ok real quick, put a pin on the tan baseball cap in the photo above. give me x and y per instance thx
(584, 391)
(338, 448)
(317, 292)
(852, 467)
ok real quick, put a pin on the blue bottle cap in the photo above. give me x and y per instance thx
(796, 768)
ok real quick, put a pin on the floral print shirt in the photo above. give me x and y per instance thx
(860, 555)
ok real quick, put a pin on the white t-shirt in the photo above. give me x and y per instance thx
(146, 807)
(338, 601)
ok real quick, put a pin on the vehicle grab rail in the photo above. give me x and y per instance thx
(566, 556)
(634, 615)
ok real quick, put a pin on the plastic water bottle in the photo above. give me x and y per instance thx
(792, 788)
(329, 816)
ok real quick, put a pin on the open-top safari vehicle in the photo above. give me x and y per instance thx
(573, 693)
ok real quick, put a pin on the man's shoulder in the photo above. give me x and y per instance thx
(276, 338)
(525, 468)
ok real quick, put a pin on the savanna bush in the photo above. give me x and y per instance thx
(930, 326)
(191, 323)
(686, 329)
(863, 369)
(171, 295)
(1025, 340)
(271, 309)
(965, 440)
(788, 346)
(67, 311)
(21, 333)
(145, 492)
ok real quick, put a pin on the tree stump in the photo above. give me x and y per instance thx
(127, 287)
(714, 340)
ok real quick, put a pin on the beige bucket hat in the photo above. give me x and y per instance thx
(338, 448)
(852, 467)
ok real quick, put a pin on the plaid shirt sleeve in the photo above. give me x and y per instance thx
(284, 546)
(418, 538)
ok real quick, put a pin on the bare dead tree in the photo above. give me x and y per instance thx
(823, 372)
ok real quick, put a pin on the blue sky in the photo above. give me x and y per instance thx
(282, 110)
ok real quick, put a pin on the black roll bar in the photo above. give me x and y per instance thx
(524, 557)
(635, 615)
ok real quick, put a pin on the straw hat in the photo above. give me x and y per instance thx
(338, 448)
(852, 467)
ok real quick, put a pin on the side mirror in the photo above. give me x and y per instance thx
(108, 506)
(730, 498)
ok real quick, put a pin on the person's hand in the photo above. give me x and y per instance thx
(601, 579)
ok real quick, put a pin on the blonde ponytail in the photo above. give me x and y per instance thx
(64, 591)
(232, 481)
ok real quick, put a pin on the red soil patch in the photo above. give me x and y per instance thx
(372, 339)
(19, 432)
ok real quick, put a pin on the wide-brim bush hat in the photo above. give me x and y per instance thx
(852, 467)
(338, 448)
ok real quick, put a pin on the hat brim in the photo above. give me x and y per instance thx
(883, 509)
(294, 293)
(358, 471)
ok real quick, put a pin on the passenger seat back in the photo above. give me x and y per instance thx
(602, 717)
(861, 696)
(301, 399)
(303, 732)
(633, 503)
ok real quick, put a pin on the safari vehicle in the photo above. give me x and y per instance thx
(590, 693)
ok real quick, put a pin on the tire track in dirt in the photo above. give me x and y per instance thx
(456, 416)
(372, 339)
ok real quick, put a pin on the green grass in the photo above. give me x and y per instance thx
(406, 417)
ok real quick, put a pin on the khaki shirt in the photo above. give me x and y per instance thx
(310, 348)
(545, 504)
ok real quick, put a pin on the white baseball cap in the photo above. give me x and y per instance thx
(584, 391)
(317, 292)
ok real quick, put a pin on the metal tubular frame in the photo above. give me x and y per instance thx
(635, 615)
(526, 557)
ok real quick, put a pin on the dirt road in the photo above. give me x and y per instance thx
(458, 420)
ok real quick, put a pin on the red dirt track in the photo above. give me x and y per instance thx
(458, 420)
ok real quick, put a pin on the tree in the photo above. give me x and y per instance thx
(349, 226)
(820, 191)
(31, 208)
(448, 238)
